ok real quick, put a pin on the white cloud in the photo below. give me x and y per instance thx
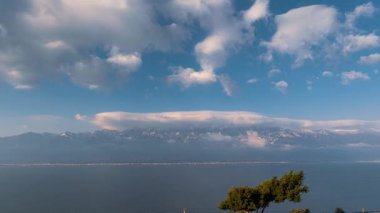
(185, 10)
(87, 28)
(188, 77)
(97, 73)
(129, 61)
(129, 24)
(363, 10)
(90, 73)
(226, 33)
(370, 59)
(353, 43)
(253, 139)
(12, 74)
(227, 84)
(47, 14)
(56, 44)
(212, 51)
(123, 120)
(80, 117)
(215, 16)
(257, 11)
(17, 79)
(348, 77)
(273, 72)
(93, 86)
(211, 54)
(301, 28)
(282, 86)
(252, 81)
(346, 131)
(327, 74)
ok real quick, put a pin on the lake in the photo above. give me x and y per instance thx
(169, 188)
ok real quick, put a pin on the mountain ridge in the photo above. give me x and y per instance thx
(190, 144)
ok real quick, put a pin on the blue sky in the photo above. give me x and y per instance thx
(64, 62)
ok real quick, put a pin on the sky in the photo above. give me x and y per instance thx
(81, 65)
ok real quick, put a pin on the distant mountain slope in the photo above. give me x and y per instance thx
(191, 144)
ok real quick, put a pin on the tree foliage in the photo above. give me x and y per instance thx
(247, 199)
(241, 199)
(339, 210)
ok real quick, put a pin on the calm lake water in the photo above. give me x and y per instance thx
(170, 188)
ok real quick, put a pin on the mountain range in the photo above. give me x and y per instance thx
(192, 145)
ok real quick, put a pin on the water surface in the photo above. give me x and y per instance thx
(171, 187)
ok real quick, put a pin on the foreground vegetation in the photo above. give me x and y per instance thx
(289, 187)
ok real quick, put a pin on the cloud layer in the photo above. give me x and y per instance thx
(96, 44)
(99, 44)
(123, 120)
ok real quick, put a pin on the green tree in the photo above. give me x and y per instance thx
(241, 199)
(268, 192)
(247, 199)
(291, 187)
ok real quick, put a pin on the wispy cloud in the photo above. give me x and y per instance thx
(252, 81)
(354, 43)
(348, 77)
(56, 44)
(282, 86)
(227, 84)
(370, 59)
(273, 72)
(327, 74)
(363, 10)
(80, 117)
